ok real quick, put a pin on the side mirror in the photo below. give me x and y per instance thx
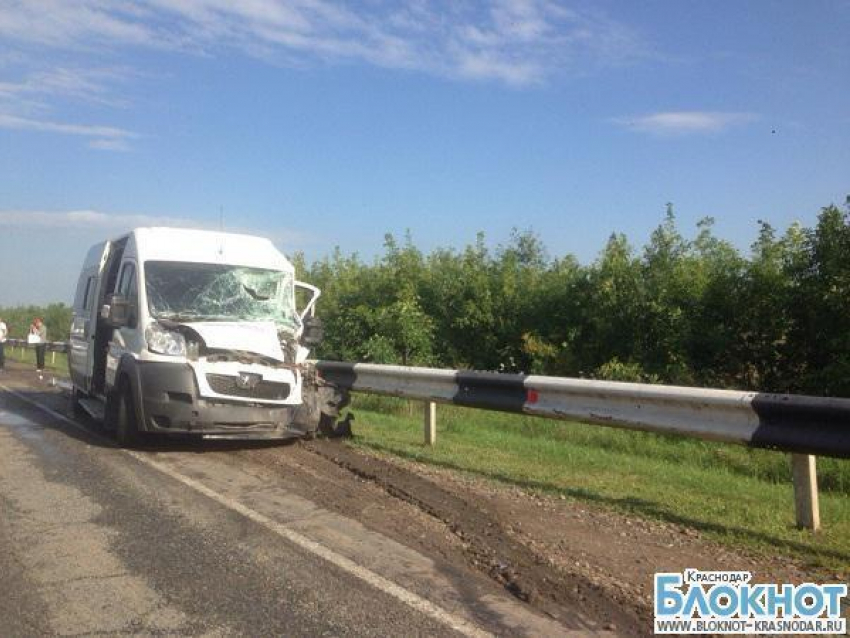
(314, 332)
(117, 312)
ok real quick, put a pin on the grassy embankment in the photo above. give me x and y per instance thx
(54, 362)
(735, 495)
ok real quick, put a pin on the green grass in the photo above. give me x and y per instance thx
(736, 495)
(60, 365)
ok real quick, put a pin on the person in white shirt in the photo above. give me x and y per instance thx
(3, 334)
(38, 336)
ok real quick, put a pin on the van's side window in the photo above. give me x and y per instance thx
(127, 282)
(127, 289)
(87, 297)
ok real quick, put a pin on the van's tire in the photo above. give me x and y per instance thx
(126, 426)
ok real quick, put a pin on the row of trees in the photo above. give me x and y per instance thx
(686, 311)
(56, 317)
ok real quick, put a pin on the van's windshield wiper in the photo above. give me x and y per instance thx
(254, 294)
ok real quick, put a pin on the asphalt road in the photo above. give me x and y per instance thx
(188, 540)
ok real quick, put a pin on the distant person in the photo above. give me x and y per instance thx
(38, 336)
(4, 332)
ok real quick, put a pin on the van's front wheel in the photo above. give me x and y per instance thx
(126, 426)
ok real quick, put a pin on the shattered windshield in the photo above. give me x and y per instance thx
(184, 291)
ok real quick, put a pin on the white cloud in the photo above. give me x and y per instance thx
(85, 84)
(683, 122)
(517, 42)
(109, 145)
(101, 137)
(512, 42)
(76, 219)
(62, 23)
(23, 105)
(106, 132)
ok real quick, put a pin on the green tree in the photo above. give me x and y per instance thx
(819, 307)
(681, 310)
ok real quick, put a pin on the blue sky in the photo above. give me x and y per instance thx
(325, 124)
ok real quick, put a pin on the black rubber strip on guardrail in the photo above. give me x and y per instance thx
(489, 391)
(786, 424)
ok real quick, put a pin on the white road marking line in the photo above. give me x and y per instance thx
(375, 580)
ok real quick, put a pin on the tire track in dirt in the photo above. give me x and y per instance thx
(487, 545)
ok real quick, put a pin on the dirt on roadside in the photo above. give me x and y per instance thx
(555, 554)
(489, 543)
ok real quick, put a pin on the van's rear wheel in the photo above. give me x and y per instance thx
(126, 426)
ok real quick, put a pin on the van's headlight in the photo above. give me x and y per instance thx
(164, 341)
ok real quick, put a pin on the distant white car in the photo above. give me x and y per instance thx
(195, 332)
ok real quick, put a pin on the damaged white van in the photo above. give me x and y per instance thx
(196, 332)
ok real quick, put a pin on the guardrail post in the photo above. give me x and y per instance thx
(52, 357)
(430, 423)
(804, 471)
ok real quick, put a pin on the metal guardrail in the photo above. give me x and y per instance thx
(802, 425)
(52, 346)
(794, 423)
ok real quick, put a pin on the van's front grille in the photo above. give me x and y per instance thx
(230, 385)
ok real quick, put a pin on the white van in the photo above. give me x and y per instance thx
(196, 332)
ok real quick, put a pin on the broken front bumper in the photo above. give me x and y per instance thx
(170, 403)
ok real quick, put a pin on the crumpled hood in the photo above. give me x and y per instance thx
(259, 337)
